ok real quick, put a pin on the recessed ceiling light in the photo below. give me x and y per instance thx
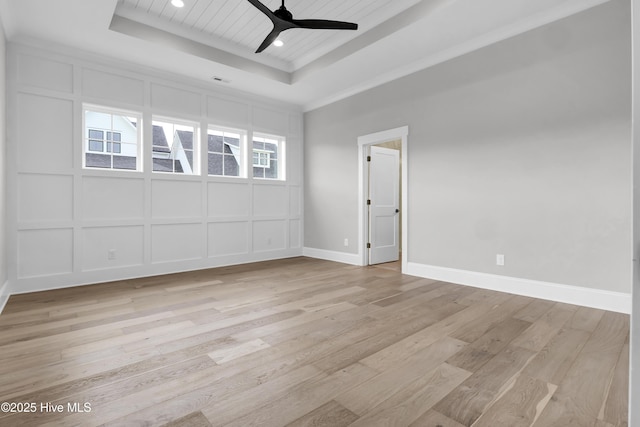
(278, 43)
(177, 3)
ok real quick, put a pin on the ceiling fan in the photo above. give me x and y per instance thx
(283, 20)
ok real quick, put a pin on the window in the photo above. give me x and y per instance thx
(226, 150)
(175, 146)
(105, 141)
(268, 157)
(112, 139)
(261, 159)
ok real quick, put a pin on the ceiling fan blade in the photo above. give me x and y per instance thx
(262, 8)
(323, 24)
(283, 20)
(269, 39)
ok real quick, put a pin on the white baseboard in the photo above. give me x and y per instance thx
(594, 298)
(345, 258)
(4, 295)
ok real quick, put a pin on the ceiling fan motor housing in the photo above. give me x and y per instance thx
(283, 13)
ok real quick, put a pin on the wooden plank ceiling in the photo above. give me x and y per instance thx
(239, 23)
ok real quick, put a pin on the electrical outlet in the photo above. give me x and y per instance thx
(111, 254)
(500, 259)
(346, 242)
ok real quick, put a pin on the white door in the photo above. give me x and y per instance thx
(384, 205)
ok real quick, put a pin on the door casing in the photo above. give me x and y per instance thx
(364, 142)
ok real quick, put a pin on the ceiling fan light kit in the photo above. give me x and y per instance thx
(283, 20)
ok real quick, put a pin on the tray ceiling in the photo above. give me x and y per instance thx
(213, 41)
(239, 27)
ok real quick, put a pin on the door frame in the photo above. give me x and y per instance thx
(364, 142)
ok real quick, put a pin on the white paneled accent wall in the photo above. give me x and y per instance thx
(126, 241)
(105, 86)
(45, 252)
(268, 235)
(228, 238)
(38, 190)
(45, 128)
(176, 199)
(112, 199)
(68, 225)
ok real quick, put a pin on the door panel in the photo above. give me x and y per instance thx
(384, 194)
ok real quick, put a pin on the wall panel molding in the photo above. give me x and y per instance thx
(110, 225)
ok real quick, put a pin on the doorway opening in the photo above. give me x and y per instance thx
(383, 222)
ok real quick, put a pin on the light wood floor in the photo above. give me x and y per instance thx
(304, 342)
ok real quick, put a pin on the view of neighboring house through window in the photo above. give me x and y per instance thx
(112, 139)
(226, 150)
(175, 146)
(268, 156)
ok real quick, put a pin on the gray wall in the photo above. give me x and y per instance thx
(520, 148)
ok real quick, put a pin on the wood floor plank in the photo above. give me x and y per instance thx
(403, 408)
(386, 336)
(478, 327)
(227, 354)
(476, 354)
(63, 341)
(309, 342)
(545, 328)
(218, 383)
(226, 408)
(554, 360)
(409, 295)
(102, 396)
(114, 370)
(302, 319)
(331, 414)
(206, 332)
(586, 319)
(467, 402)
(232, 407)
(347, 325)
(519, 406)
(485, 296)
(371, 393)
(434, 419)
(289, 405)
(50, 328)
(580, 396)
(195, 419)
(396, 353)
(534, 310)
(615, 407)
(166, 331)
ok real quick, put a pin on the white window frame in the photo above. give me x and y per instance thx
(113, 112)
(195, 168)
(242, 172)
(104, 140)
(280, 142)
(264, 158)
